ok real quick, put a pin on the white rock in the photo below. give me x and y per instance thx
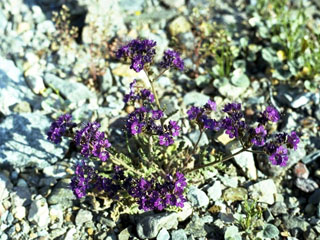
(39, 212)
(56, 215)
(185, 213)
(20, 212)
(264, 191)
(245, 161)
(215, 191)
(70, 233)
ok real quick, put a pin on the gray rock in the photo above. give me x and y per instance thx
(179, 25)
(270, 231)
(246, 162)
(194, 136)
(83, 216)
(149, 226)
(263, 191)
(73, 91)
(185, 213)
(5, 186)
(295, 223)
(56, 216)
(279, 208)
(13, 88)
(170, 104)
(196, 227)
(56, 171)
(55, 233)
(21, 196)
(174, 4)
(163, 234)
(24, 141)
(306, 185)
(124, 234)
(39, 212)
(179, 235)
(215, 191)
(62, 194)
(197, 197)
(107, 80)
(131, 6)
(22, 107)
(195, 98)
(232, 232)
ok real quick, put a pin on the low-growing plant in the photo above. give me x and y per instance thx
(153, 169)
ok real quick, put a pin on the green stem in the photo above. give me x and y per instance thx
(215, 163)
(120, 162)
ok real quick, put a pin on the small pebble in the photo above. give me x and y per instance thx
(301, 170)
(306, 185)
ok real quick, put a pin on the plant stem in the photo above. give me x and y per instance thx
(215, 163)
(120, 162)
(194, 148)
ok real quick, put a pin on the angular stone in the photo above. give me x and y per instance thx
(13, 88)
(149, 226)
(39, 212)
(263, 191)
(197, 197)
(246, 162)
(235, 194)
(74, 91)
(179, 25)
(215, 191)
(179, 235)
(306, 185)
(24, 141)
(301, 170)
(83, 216)
(163, 234)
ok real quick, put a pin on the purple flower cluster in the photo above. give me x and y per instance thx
(143, 94)
(59, 128)
(149, 194)
(140, 53)
(92, 142)
(235, 126)
(152, 195)
(144, 120)
(170, 59)
(270, 114)
(202, 118)
(82, 180)
(278, 153)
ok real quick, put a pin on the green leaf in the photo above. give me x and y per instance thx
(270, 231)
(240, 79)
(269, 55)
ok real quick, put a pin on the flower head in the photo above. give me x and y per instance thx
(293, 140)
(59, 127)
(172, 58)
(140, 52)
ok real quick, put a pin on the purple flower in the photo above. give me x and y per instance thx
(174, 128)
(231, 108)
(259, 136)
(59, 127)
(165, 140)
(270, 114)
(279, 157)
(136, 128)
(293, 140)
(140, 52)
(80, 183)
(210, 105)
(147, 95)
(92, 142)
(194, 112)
(157, 114)
(172, 59)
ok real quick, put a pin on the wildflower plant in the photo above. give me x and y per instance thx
(154, 177)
